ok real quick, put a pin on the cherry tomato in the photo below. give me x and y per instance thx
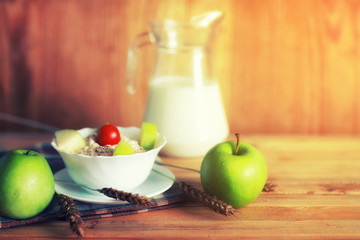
(108, 135)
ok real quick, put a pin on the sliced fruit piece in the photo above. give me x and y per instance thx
(148, 135)
(123, 148)
(69, 140)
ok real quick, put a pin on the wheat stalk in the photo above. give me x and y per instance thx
(116, 194)
(68, 207)
(126, 196)
(269, 187)
(207, 200)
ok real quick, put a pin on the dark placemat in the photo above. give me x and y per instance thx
(171, 197)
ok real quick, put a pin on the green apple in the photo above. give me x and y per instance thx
(26, 184)
(123, 148)
(148, 135)
(235, 172)
(69, 140)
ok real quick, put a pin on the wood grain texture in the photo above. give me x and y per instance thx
(283, 66)
(317, 197)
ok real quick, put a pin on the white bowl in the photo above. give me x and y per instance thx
(123, 172)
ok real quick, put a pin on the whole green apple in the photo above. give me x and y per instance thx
(26, 184)
(235, 172)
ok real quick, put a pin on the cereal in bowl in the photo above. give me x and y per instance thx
(106, 141)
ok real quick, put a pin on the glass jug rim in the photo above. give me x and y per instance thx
(171, 23)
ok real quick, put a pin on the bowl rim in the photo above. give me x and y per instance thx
(53, 143)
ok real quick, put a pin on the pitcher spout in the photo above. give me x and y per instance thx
(208, 18)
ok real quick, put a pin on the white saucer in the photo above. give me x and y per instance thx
(154, 185)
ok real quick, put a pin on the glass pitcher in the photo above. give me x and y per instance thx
(184, 97)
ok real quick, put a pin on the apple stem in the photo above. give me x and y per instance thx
(237, 143)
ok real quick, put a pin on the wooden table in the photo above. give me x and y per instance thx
(317, 197)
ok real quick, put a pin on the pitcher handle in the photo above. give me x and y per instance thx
(140, 41)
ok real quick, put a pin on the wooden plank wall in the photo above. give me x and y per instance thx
(287, 67)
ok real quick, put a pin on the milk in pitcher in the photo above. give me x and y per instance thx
(191, 117)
